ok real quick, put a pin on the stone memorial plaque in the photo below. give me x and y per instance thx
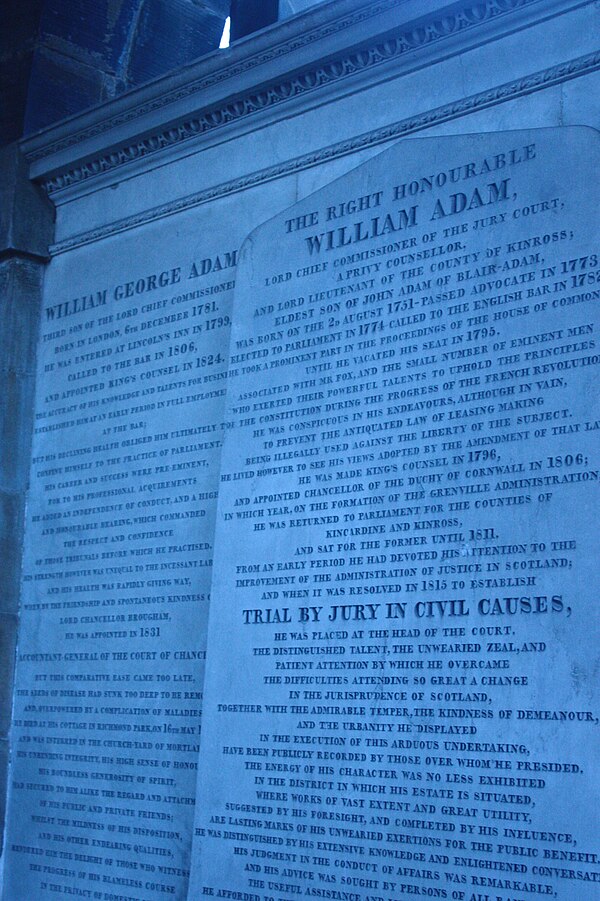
(128, 427)
(400, 697)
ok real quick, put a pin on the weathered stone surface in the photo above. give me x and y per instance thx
(293, 7)
(171, 177)
(20, 292)
(26, 225)
(248, 16)
(26, 214)
(17, 44)
(58, 59)
(116, 574)
(402, 629)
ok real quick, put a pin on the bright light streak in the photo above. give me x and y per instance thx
(225, 36)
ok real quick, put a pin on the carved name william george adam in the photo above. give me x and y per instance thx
(404, 567)
(116, 577)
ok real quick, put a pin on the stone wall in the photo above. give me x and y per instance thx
(154, 195)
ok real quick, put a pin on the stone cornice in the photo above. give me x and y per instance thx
(438, 27)
(509, 90)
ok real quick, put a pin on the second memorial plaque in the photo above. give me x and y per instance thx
(400, 679)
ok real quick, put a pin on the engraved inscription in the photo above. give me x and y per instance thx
(128, 429)
(404, 538)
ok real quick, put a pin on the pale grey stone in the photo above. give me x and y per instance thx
(402, 633)
(169, 176)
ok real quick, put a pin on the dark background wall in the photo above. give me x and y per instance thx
(59, 57)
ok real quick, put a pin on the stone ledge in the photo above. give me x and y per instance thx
(342, 41)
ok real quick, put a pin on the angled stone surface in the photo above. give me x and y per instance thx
(84, 53)
(26, 228)
(26, 215)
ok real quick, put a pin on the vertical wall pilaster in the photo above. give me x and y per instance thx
(26, 227)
